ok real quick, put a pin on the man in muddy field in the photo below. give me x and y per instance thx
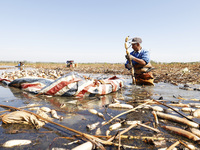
(141, 63)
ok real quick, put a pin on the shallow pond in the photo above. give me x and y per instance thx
(76, 115)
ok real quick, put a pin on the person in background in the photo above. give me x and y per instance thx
(20, 64)
(141, 63)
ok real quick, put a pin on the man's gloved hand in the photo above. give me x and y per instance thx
(128, 66)
(131, 57)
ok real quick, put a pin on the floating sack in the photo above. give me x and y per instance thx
(63, 86)
(99, 87)
(34, 87)
(5, 81)
(18, 82)
(22, 118)
(73, 84)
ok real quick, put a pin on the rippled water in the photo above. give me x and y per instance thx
(76, 115)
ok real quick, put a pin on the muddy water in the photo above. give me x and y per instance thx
(76, 115)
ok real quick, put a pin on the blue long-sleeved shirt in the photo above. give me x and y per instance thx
(142, 54)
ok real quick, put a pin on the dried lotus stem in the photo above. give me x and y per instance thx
(174, 110)
(148, 127)
(177, 119)
(173, 145)
(119, 143)
(140, 106)
(155, 117)
(186, 145)
(182, 132)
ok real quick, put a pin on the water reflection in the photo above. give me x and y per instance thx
(128, 93)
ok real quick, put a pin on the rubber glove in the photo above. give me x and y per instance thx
(131, 57)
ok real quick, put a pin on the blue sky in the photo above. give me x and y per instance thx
(94, 30)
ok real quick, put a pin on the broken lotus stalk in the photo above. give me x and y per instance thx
(177, 119)
(173, 110)
(182, 132)
(129, 60)
(139, 106)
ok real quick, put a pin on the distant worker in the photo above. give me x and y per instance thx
(20, 64)
(141, 62)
